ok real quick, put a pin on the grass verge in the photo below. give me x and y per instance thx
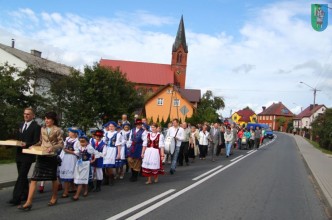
(316, 145)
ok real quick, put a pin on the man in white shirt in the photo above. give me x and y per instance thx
(178, 133)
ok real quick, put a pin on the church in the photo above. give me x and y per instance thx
(166, 82)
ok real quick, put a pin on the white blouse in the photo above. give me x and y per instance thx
(204, 138)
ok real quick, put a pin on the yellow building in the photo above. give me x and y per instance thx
(172, 101)
(244, 116)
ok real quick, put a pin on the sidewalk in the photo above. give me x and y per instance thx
(320, 165)
(8, 174)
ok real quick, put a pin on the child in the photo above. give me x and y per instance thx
(124, 148)
(111, 151)
(82, 173)
(97, 166)
(69, 159)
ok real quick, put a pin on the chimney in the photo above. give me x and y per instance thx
(311, 107)
(263, 107)
(13, 43)
(36, 53)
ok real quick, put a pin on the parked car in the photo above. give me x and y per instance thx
(268, 133)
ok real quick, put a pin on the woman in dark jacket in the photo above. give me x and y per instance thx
(46, 166)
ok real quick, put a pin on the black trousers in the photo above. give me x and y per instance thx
(21, 189)
(184, 153)
(203, 151)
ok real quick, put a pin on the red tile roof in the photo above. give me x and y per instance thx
(278, 109)
(245, 114)
(309, 111)
(142, 73)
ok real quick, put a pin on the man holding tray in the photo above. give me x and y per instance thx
(29, 134)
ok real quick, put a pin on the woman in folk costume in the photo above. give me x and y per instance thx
(111, 151)
(153, 155)
(69, 159)
(138, 140)
(83, 173)
(46, 166)
(193, 143)
(97, 163)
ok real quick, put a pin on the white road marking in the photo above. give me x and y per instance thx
(236, 158)
(250, 151)
(206, 173)
(141, 205)
(173, 196)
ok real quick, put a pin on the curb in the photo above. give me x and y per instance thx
(317, 184)
(7, 184)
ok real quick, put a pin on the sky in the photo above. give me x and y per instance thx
(252, 53)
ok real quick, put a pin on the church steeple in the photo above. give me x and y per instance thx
(180, 38)
(179, 56)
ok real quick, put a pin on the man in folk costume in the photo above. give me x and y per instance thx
(138, 139)
(97, 166)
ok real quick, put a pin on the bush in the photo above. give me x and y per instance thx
(322, 129)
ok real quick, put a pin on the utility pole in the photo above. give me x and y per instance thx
(315, 91)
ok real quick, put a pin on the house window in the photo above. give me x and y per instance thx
(176, 102)
(169, 91)
(271, 117)
(263, 117)
(160, 101)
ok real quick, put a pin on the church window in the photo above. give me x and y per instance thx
(179, 58)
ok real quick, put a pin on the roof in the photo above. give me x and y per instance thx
(39, 62)
(141, 72)
(192, 95)
(245, 114)
(277, 109)
(180, 38)
(311, 109)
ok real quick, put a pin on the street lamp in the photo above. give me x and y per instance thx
(314, 89)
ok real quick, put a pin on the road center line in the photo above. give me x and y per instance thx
(206, 173)
(173, 196)
(132, 209)
(236, 158)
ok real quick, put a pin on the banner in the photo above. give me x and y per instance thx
(319, 16)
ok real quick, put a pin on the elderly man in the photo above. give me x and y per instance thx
(184, 148)
(215, 135)
(178, 134)
(29, 134)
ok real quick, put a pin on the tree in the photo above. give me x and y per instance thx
(281, 121)
(94, 97)
(322, 129)
(207, 109)
(16, 94)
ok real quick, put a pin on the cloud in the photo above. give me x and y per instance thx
(277, 42)
(245, 68)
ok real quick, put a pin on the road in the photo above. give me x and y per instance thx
(270, 183)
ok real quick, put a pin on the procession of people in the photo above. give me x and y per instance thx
(82, 164)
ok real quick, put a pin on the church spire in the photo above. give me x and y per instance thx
(180, 38)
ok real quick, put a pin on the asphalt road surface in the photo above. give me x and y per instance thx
(270, 183)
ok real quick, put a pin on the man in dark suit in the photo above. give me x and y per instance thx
(215, 139)
(29, 134)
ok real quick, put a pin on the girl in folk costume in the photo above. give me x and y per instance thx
(97, 166)
(125, 144)
(83, 174)
(193, 143)
(121, 160)
(69, 159)
(153, 154)
(111, 151)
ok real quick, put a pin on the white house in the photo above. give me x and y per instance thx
(307, 116)
(45, 70)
